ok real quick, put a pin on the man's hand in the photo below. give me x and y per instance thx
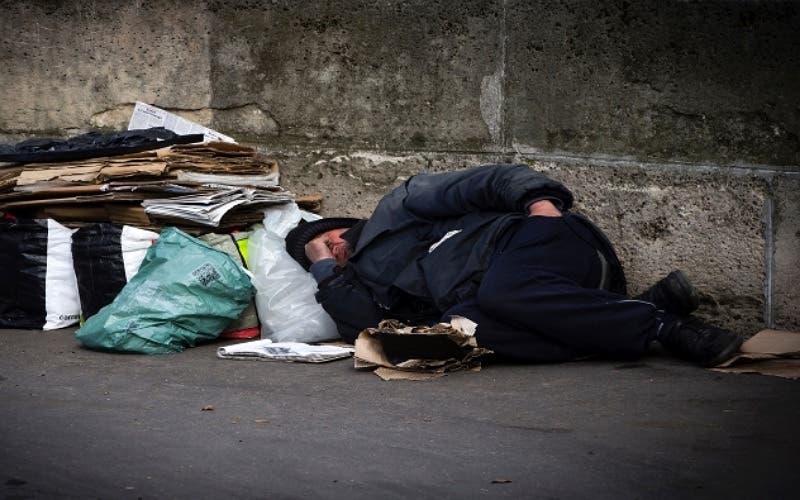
(544, 208)
(318, 249)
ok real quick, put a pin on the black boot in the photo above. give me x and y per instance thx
(673, 293)
(697, 341)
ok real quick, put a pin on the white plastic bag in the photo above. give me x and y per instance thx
(284, 290)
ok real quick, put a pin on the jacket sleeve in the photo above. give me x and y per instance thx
(490, 188)
(349, 304)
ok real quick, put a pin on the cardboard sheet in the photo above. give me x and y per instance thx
(769, 352)
(400, 352)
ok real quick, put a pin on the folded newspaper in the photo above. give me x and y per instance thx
(147, 116)
(266, 350)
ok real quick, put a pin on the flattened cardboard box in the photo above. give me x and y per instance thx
(400, 352)
(769, 352)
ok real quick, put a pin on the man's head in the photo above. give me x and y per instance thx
(324, 238)
(329, 245)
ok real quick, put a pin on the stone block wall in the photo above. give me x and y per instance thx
(676, 123)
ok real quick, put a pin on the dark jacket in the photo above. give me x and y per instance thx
(428, 243)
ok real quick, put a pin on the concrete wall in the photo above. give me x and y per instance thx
(675, 122)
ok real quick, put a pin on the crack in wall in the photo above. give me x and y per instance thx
(492, 98)
(769, 257)
(179, 109)
(504, 83)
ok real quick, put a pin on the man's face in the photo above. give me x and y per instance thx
(339, 248)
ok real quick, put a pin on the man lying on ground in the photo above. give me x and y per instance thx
(499, 245)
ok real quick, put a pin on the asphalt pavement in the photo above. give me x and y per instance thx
(75, 423)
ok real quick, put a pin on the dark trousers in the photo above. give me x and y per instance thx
(540, 301)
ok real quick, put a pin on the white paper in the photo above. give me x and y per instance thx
(146, 116)
(284, 351)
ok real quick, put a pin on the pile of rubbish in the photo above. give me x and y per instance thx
(144, 237)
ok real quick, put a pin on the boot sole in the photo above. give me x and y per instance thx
(726, 354)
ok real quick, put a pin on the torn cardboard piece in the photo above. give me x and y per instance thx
(401, 352)
(769, 352)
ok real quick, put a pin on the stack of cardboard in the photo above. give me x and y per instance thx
(213, 186)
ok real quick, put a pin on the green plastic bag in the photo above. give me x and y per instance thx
(185, 292)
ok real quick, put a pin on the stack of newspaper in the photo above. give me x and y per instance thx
(209, 209)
